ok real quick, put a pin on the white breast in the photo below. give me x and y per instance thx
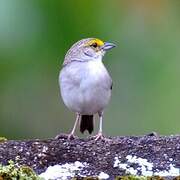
(96, 67)
(85, 87)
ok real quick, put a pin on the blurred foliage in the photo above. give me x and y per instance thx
(145, 66)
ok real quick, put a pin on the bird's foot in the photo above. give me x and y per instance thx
(71, 136)
(67, 136)
(153, 134)
(100, 136)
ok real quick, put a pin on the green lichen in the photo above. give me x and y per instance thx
(155, 178)
(130, 177)
(3, 139)
(13, 172)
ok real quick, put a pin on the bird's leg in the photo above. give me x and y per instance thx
(71, 135)
(100, 135)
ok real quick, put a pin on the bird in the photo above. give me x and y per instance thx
(85, 83)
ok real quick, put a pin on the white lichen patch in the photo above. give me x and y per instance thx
(145, 167)
(68, 171)
(171, 172)
(103, 175)
(64, 171)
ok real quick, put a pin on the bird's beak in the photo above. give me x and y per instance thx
(107, 46)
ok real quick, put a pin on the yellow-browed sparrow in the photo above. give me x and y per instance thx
(85, 83)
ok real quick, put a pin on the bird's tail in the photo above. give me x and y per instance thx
(86, 123)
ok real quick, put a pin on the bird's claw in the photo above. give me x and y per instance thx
(68, 136)
(71, 136)
(100, 136)
(153, 134)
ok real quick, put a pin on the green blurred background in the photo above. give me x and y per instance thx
(145, 66)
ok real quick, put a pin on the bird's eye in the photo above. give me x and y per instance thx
(94, 45)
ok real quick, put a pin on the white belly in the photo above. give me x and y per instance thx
(85, 86)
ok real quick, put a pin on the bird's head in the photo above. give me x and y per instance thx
(88, 49)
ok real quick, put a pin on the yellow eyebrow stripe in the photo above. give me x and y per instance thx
(98, 41)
